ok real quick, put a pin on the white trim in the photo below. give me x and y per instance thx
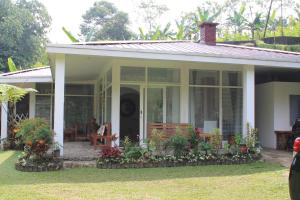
(4, 114)
(115, 103)
(248, 97)
(167, 55)
(32, 103)
(26, 80)
(59, 100)
(184, 95)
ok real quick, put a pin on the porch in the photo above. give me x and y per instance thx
(133, 93)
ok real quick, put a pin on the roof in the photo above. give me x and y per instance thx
(180, 48)
(32, 75)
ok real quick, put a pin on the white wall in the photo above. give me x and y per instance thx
(264, 114)
(273, 109)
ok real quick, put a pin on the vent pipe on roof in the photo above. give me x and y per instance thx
(208, 33)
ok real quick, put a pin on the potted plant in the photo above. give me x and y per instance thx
(56, 150)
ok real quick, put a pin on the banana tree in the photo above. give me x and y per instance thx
(70, 35)
(237, 20)
(255, 25)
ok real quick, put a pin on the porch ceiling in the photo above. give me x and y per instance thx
(84, 68)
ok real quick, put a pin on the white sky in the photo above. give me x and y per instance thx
(68, 13)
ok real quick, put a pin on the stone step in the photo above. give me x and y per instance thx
(79, 164)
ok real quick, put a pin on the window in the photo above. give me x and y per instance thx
(173, 104)
(204, 77)
(216, 100)
(133, 74)
(204, 108)
(163, 75)
(232, 78)
(232, 105)
(43, 107)
(294, 108)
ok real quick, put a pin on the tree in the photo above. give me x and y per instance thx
(23, 28)
(238, 20)
(104, 21)
(71, 37)
(151, 12)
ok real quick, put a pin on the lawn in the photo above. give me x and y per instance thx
(252, 181)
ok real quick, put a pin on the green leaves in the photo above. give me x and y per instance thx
(10, 93)
(69, 35)
(11, 65)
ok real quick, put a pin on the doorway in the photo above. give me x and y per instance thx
(130, 113)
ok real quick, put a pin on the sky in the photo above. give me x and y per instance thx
(68, 13)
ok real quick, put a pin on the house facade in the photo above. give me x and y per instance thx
(133, 83)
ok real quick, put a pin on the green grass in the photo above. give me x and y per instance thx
(252, 181)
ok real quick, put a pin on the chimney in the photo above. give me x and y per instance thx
(208, 33)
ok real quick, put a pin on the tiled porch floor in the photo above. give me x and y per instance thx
(79, 151)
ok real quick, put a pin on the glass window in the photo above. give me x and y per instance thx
(232, 103)
(78, 89)
(163, 75)
(204, 108)
(232, 78)
(204, 77)
(133, 74)
(43, 107)
(44, 88)
(78, 110)
(155, 110)
(173, 104)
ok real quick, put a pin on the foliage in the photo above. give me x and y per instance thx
(157, 140)
(179, 143)
(11, 93)
(104, 21)
(23, 26)
(193, 139)
(70, 35)
(151, 12)
(205, 146)
(133, 151)
(36, 135)
(238, 139)
(295, 48)
(11, 65)
(252, 137)
(216, 140)
(110, 152)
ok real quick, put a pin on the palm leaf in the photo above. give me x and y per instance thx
(11, 65)
(69, 35)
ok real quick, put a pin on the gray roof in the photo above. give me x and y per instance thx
(39, 74)
(188, 47)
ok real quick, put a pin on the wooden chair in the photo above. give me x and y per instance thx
(106, 138)
(168, 128)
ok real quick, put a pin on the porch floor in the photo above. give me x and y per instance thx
(284, 158)
(80, 151)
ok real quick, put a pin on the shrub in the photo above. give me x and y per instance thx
(251, 138)
(157, 140)
(110, 152)
(216, 140)
(205, 146)
(131, 150)
(179, 143)
(35, 134)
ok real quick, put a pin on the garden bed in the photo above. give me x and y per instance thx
(171, 161)
(49, 164)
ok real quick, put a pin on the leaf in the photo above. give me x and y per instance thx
(69, 35)
(10, 93)
(11, 65)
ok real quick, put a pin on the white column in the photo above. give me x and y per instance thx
(32, 101)
(59, 100)
(4, 111)
(248, 97)
(184, 95)
(115, 102)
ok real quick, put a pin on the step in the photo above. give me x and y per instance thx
(79, 163)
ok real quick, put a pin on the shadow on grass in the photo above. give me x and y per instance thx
(9, 176)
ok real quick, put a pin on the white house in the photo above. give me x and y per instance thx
(133, 83)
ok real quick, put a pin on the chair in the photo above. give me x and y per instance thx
(106, 138)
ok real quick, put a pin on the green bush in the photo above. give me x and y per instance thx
(179, 143)
(35, 134)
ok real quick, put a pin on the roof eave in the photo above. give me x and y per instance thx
(165, 55)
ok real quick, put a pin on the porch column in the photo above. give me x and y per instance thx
(4, 111)
(59, 100)
(248, 97)
(184, 95)
(115, 103)
(32, 101)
